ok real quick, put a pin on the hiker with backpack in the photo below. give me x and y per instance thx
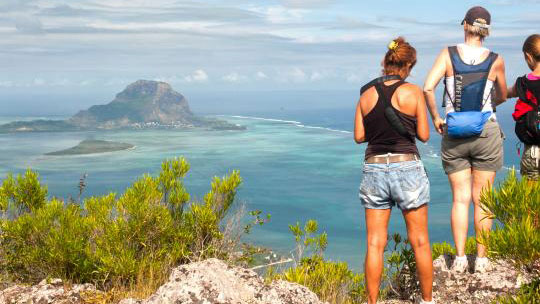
(472, 142)
(390, 115)
(527, 112)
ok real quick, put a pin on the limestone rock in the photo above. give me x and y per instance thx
(472, 287)
(45, 292)
(214, 282)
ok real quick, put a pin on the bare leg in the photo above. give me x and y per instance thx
(460, 182)
(481, 180)
(377, 233)
(417, 232)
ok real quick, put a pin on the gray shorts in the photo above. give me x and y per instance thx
(483, 152)
(529, 166)
(404, 184)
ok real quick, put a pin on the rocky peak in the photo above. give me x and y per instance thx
(144, 101)
(144, 88)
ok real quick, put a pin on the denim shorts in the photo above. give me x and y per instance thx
(403, 183)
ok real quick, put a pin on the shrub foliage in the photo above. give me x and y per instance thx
(332, 281)
(111, 239)
(515, 205)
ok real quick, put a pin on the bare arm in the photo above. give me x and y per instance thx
(512, 92)
(434, 77)
(359, 131)
(422, 125)
(501, 91)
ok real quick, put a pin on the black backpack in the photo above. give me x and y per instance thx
(528, 125)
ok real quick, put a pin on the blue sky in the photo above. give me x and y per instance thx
(54, 46)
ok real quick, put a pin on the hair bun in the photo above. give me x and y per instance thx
(400, 56)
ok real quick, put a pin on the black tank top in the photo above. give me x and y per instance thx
(380, 135)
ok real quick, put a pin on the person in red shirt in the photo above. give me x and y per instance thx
(530, 161)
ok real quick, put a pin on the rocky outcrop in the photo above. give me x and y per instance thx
(213, 281)
(45, 292)
(471, 287)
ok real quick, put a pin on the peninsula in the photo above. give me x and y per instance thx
(143, 104)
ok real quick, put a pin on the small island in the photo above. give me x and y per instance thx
(92, 146)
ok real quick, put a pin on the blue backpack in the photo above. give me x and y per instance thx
(468, 120)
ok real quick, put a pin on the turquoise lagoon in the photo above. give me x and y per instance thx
(296, 166)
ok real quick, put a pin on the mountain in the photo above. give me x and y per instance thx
(142, 104)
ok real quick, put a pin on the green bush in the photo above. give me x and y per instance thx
(22, 194)
(401, 278)
(438, 249)
(515, 205)
(333, 282)
(528, 294)
(111, 239)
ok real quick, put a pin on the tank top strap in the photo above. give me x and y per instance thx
(386, 92)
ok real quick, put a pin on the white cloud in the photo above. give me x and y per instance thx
(61, 82)
(38, 82)
(234, 77)
(261, 75)
(279, 14)
(307, 3)
(87, 82)
(28, 24)
(354, 78)
(194, 26)
(297, 75)
(6, 84)
(316, 76)
(293, 75)
(116, 82)
(197, 76)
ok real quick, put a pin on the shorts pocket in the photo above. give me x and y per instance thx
(409, 180)
(368, 185)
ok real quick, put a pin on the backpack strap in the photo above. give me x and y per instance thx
(521, 89)
(454, 55)
(464, 71)
(492, 57)
(377, 81)
(390, 113)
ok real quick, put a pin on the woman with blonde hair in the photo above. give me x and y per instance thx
(390, 115)
(471, 147)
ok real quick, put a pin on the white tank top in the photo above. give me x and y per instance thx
(469, 55)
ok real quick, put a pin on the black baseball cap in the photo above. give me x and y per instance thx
(477, 16)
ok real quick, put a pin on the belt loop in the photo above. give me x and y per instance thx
(415, 157)
(388, 158)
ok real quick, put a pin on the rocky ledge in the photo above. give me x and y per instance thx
(214, 282)
(47, 291)
(471, 287)
(210, 281)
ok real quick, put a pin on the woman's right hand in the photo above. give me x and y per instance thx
(438, 123)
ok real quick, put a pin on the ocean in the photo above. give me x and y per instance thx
(296, 165)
